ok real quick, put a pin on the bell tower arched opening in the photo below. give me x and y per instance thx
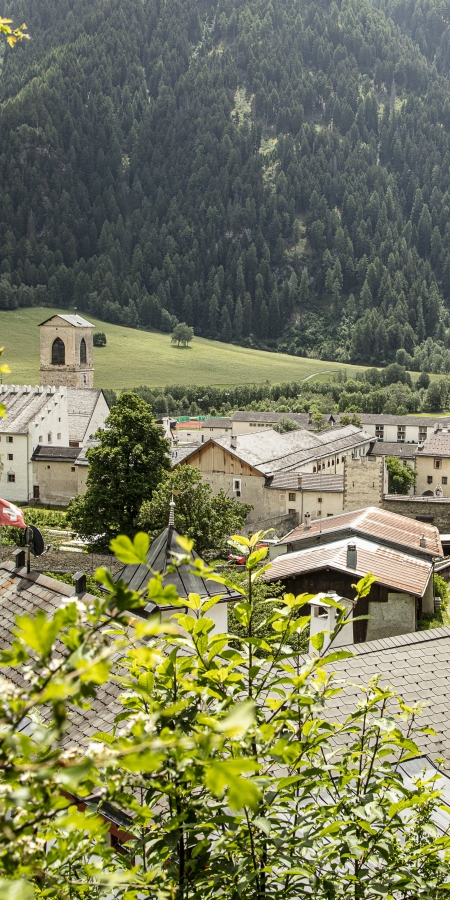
(58, 352)
(83, 352)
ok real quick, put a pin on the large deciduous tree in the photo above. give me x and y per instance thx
(204, 517)
(124, 470)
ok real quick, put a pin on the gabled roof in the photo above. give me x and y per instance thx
(75, 320)
(55, 454)
(159, 557)
(386, 419)
(437, 444)
(81, 403)
(417, 666)
(390, 567)
(387, 527)
(290, 481)
(390, 448)
(23, 402)
(217, 422)
(270, 452)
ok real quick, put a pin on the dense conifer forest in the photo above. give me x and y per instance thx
(274, 172)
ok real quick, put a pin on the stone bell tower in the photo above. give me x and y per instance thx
(67, 352)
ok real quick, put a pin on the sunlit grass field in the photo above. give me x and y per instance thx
(132, 357)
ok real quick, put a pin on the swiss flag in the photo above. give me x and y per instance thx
(11, 515)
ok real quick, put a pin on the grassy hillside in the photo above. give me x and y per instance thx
(132, 357)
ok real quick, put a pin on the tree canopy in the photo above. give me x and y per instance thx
(182, 334)
(228, 768)
(125, 468)
(207, 518)
(269, 174)
(401, 476)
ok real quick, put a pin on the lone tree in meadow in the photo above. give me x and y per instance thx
(182, 334)
(124, 470)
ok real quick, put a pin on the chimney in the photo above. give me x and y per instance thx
(420, 446)
(307, 520)
(19, 556)
(233, 442)
(422, 541)
(351, 556)
(80, 583)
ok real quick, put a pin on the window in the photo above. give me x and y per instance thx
(72, 468)
(379, 432)
(329, 514)
(41, 439)
(401, 433)
(58, 352)
(429, 479)
(292, 510)
(35, 492)
(11, 477)
(237, 484)
(438, 463)
(84, 379)
(292, 497)
(444, 479)
(48, 467)
(58, 436)
(314, 468)
(10, 455)
(9, 440)
(319, 499)
(422, 434)
(49, 437)
(83, 352)
(342, 460)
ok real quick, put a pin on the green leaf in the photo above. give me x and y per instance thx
(317, 640)
(240, 718)
(131, 552)
(256, 557)
(39, 633)
(16, 890)
(363, 586)
(227, 775)
(337, 654)
(185, 543)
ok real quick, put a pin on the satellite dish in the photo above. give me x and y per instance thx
(34, 540)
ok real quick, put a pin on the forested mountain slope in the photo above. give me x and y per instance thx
(274, 172)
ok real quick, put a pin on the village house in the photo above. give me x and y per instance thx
(269, 470)
(332, 555)
(432, 464)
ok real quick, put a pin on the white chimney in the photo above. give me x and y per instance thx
(233, 442)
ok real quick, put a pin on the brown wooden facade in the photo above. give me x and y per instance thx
(328, 579)
(214, 458)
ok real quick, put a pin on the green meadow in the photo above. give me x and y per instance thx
(132, 357)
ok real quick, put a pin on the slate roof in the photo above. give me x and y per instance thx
(290, 481)
(386, 419)
(75, 320)
(23, 403)
(387, 527)
(217, 422)
(269, 418)
(390, 567)
(271, 452)
(55, 454)
(81, 403)
(179, 452)
(22, 594)
(159, 557)
(417, 666)
(389, 448)
(437, 444)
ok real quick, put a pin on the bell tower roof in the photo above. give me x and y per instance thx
(76, 321)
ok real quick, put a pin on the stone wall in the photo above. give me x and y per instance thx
(281, 524)
(397, 616)
(364, 482)
(434, 511)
